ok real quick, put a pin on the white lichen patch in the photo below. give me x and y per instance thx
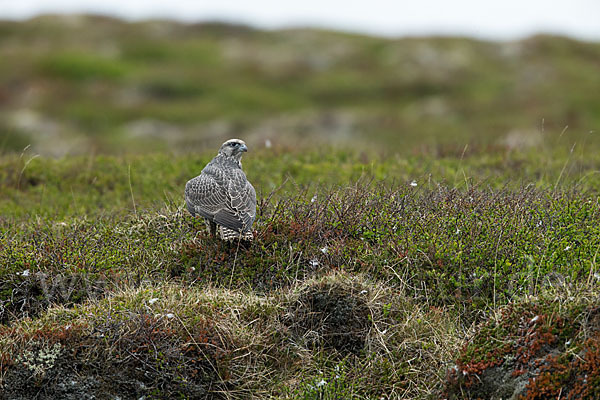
(41, 361)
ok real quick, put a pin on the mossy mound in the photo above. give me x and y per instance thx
(536, 350)
(143, 356)
(330, 315)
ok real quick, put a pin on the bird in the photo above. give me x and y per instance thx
(223, 195)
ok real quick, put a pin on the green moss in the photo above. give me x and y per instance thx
(539, 348)
(82, 66)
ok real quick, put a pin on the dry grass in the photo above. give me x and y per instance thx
(246, 343)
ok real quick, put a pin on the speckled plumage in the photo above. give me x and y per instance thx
(222, 194)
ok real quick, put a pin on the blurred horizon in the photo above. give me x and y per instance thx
(75, 84)
(510, 20)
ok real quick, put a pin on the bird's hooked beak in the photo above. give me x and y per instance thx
(243, 148)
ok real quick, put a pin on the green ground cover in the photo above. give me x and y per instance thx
(428, 214)
(366, 276)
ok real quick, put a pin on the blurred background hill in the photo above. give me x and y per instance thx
(79, 84)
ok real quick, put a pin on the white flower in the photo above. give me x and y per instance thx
(413, 183)
(324, 250)
(25, 273)
(314, 198)
(170, 315)
(568, 248)
(153, 300)
(457, 231)
(322, 382)
(363, 292)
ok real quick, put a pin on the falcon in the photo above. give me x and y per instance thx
(222, 194)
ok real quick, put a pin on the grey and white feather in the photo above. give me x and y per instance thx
(223, 195)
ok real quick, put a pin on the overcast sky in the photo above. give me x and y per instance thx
(506, 19)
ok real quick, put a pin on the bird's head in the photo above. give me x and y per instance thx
(233, 148)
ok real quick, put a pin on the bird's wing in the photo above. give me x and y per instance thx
(243, 198)
(205, 194)
(241, 210)
(224, 196)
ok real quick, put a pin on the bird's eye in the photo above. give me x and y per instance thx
(234, 144)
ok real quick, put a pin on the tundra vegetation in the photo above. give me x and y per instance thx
(441, 241)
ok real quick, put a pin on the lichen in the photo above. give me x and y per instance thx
(39, 361)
